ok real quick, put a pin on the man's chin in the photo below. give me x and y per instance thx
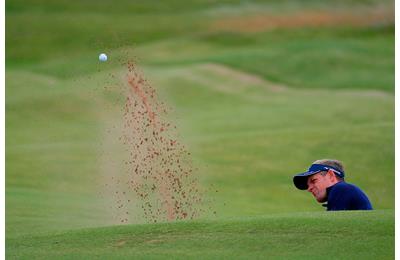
(321, 200)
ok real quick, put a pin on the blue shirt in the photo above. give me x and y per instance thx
(346, 196)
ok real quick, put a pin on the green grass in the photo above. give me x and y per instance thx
(343, 57)
(247, 139)
(336, 59)
(366, 235)
(253, 108)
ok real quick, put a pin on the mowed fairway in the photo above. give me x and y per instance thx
(258, 91)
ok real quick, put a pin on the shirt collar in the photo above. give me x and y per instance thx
(328, 190)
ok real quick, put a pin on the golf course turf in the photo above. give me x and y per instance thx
(253, 104)
(343, 235)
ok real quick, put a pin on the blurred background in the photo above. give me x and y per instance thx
(259, 90)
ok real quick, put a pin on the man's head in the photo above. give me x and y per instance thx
(321, 175)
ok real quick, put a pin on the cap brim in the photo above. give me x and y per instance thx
(300, 180)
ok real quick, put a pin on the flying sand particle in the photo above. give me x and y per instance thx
(159, 175)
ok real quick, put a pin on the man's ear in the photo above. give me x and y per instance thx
(331, 174)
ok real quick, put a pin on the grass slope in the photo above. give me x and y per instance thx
(340, 235)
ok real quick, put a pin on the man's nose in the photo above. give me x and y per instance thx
(309, 188)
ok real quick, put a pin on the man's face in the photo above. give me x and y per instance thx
(317, 185)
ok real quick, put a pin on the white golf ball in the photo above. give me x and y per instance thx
(103, 57)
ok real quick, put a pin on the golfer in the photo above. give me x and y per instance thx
(325, 180)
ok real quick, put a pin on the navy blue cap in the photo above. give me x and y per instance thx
(300, 180)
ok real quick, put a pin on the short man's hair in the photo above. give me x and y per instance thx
(334, 163)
